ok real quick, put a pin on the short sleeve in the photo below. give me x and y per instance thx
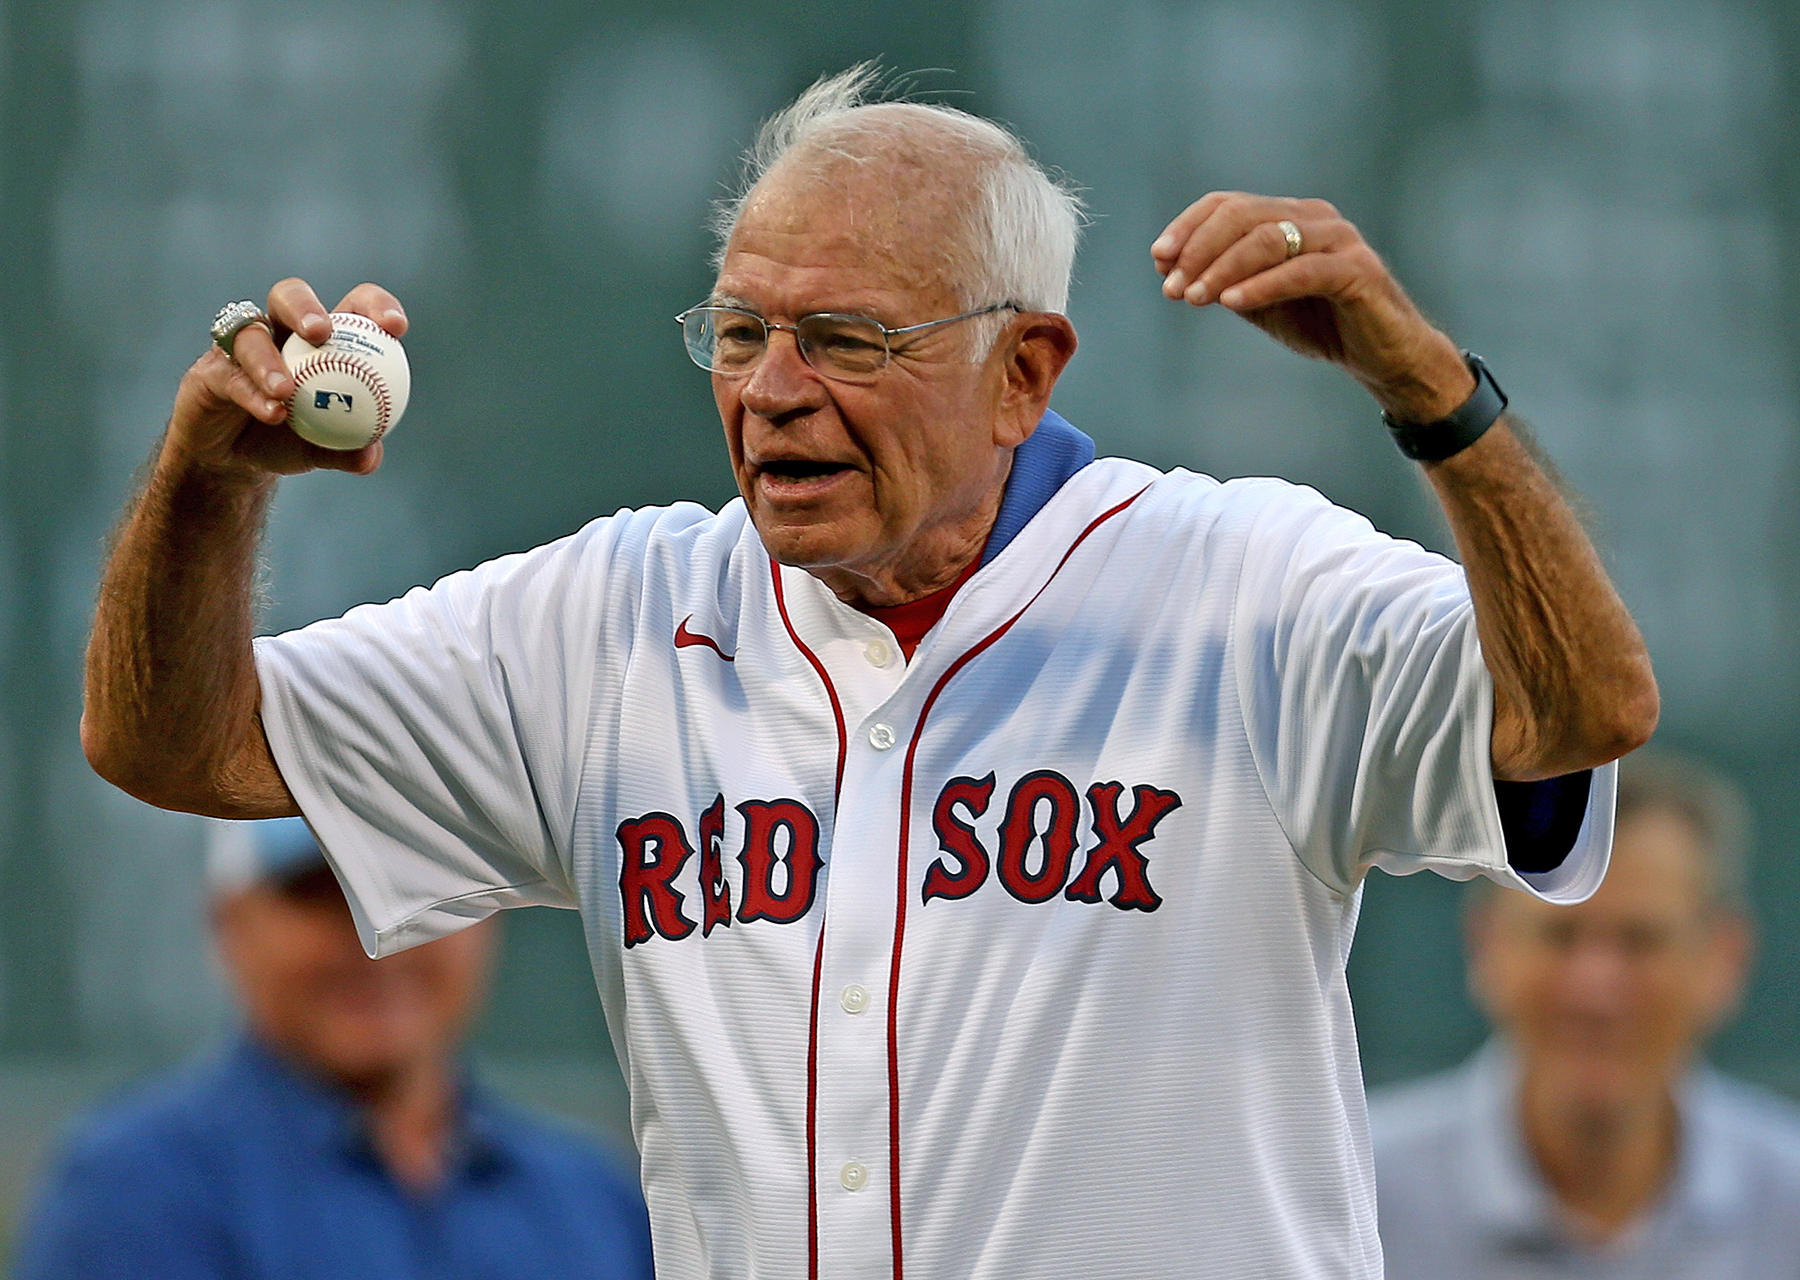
(435, 742)
(1369, 708)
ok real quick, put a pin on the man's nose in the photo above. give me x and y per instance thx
(1597, 974)
(782, 382)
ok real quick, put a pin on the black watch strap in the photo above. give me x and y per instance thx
(1435, 441)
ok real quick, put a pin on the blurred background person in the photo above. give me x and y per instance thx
(1587, 1138)
(337, 1135)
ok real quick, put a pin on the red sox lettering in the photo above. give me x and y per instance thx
(764, 821)
(714, 892)
(1037, 842)
(1118, 848)
(656, 849)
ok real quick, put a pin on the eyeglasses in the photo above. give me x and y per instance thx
(732, 341)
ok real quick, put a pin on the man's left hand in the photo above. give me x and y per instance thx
(1332, 300)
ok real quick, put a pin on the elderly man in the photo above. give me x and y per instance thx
(969, 831)
(337, 1136)
(1584, 1141)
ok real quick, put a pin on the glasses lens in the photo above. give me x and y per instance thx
(723, 339)
(852, 346)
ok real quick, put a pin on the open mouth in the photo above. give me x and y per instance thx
(802, 469)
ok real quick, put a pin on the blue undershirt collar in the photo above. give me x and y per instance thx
(1040, 466)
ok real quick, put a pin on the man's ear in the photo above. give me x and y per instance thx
(225, 912)
(1731, 950)
(1036, 347)
(1478, 930)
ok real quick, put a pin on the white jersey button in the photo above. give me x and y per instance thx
(854, 1176)
(879, 652)
(854, 999)
(881, 736)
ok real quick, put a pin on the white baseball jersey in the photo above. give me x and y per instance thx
(1022, 958)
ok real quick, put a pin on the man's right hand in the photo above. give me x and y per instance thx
(172, 709)
(230, 415)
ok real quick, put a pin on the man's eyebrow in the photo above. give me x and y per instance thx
(731, 300)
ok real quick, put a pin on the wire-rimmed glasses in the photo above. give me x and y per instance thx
(731, 340)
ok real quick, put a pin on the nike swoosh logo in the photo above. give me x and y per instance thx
(685, 639)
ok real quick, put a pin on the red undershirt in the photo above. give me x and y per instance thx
(910, 621)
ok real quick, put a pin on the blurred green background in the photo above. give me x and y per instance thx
(1598, 196)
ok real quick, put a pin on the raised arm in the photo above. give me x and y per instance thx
(1572, 681)
(171, 712)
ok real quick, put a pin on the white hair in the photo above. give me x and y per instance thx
(1017, 244)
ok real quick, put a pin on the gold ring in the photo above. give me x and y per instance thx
(1291, 234)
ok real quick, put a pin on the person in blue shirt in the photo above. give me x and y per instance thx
(1589, 1138)
(337, 1136)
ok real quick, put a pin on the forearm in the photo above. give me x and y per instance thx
(172, 700)
(1573, 686)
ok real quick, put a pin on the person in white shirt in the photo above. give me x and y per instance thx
(968, 831)
(1588, 1138)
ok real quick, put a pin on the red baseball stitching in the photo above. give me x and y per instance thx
(358, 368)
(356, 321)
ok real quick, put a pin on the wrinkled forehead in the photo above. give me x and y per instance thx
(893, 218)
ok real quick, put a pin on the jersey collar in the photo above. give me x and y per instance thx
(1040, 466)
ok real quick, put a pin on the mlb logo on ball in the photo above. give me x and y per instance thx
(348, 392)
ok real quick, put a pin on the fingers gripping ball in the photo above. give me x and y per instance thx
(351, 391)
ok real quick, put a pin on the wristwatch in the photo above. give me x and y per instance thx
(1435, 441)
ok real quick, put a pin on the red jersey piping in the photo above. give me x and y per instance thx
(812, 1030)
(906, 784)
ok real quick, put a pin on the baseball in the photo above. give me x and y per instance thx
(351, 391)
